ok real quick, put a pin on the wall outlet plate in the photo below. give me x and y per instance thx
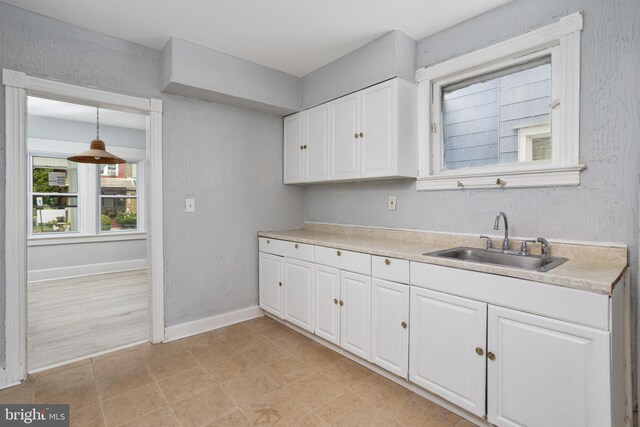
(190, 205)
(391, 205)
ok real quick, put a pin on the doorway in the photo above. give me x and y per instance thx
(18, 87)
(86, 242)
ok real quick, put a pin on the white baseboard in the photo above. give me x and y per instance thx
(86, 270)
(188, 329)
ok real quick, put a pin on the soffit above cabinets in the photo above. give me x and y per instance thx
(292, 36)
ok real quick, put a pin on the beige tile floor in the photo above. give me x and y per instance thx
(254, 373)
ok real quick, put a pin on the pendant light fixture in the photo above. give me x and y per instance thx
(97, 153)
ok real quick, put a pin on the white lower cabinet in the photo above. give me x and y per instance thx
(545, 372)
(448, 339)
(298, 293)
(327, 303)
(270, 283)
(389, 326)
(355, 321)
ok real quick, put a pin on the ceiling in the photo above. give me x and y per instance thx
(83, 113)
(293, 36)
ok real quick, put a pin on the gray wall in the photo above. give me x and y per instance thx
(603, 208)
(390, 55)
(71, 255)
(230, 160)
(44, 47)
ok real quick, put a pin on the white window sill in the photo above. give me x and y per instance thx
(79, 238)
(497, 177)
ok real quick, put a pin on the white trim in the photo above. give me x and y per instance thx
(86, 270)
(115, 236)
(526, 178)
(207, 324)
(388, 375)
(561, 40)
(17, 85)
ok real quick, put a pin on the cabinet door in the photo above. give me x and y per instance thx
(355, 319)
(316, 140)
(379, 118)
(546, 372)
(448, 337)
(344, 146)
(270, 283)
(293, 151)
(298, 293)
(389, 323)
(327, 308)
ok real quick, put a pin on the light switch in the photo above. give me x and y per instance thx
(392, 203)
(190, 205)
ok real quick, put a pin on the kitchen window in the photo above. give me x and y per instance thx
(54, 195)
(119, 197)
(504, 116)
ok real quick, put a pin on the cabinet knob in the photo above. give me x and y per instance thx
(301, 147)
(279, 283)
(268, 241)
(479, 351)
(295, 246)
(341, 303)
(356, 135)
(387, 261)
(338, 253)
(404, 325)
(491, 356)
(361, 134)
(305, 146)
(335, 300)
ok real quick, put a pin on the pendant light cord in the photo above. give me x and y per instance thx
(97, 123)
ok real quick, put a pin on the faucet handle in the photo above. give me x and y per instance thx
(489, 241)
(524, 250)
(543, 245)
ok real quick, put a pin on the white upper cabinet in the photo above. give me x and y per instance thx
(345, 142)
(545, 372)
(315, 149)
(368, 134)
(379, 124)
(293, 148)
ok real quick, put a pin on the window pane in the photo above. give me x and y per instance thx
(53, 175)
(118, 213)
(118, 180)
(497, 118)
(53, 214)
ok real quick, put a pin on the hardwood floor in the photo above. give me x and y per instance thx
(75, 317)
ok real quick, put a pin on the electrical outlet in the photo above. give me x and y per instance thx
(190, 205)
(391, 205)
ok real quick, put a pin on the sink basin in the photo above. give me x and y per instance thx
(483, 256)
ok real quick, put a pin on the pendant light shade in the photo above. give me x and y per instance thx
(97, 152)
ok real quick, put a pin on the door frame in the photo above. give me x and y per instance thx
(18, 86)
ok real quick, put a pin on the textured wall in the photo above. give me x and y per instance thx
(210, 262)
(603, 208)
(390, 55)
(203, 264)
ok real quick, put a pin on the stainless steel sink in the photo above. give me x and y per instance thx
(483, 256)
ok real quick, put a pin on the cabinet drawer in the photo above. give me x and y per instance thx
(344, 260)
(396, 270)
(285, 248)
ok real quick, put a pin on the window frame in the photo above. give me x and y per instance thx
(560, 40)
(88, 195)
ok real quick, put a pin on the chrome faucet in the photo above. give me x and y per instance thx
(496, 226)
